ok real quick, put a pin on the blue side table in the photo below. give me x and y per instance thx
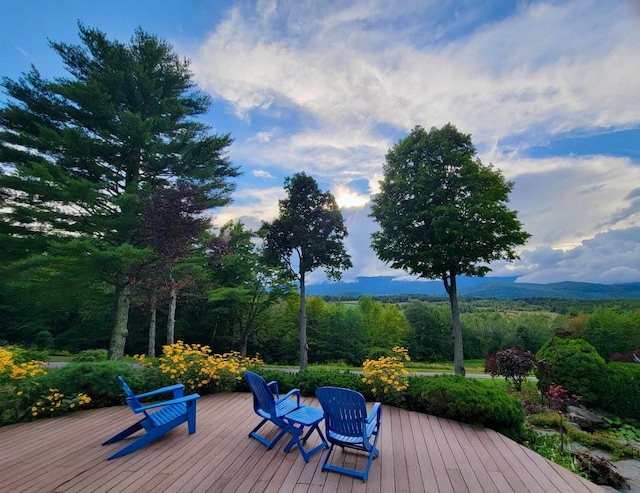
(297, 420)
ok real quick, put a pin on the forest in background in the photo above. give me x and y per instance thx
(343, 329)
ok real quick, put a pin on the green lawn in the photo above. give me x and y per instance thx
(471, 366)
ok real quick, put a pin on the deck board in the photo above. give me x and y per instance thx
(418, 453)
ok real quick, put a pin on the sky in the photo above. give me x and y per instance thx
(548, 90)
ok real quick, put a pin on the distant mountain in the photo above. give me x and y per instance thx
(477, 287)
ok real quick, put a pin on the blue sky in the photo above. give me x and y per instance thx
(548, 90)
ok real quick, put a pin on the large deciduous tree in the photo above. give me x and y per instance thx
(442, 214)
(308, 234)
(77, 153)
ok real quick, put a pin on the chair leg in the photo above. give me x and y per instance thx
(191, 417)
(372, 452)
(135, 445)
(124, 433)
(264, 441)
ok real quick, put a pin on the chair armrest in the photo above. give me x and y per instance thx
(376, 412)
(274, 384)
(177, 389)
(289, 394)
(187, 398)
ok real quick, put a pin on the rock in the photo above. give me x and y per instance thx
(584, 418)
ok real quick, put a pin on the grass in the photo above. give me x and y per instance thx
(57, 358)
(471, 366)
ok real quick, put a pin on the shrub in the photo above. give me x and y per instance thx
(90, 355)
(621, 394)
(560, 398)
(99, 380)
(387, 376)
(24, 396)
(491, 364)
(55, 403)
(196, 368)
(44, 340)
(308, 381)
(531, 400)
(466, 400)
(573, 363)
(514, 365)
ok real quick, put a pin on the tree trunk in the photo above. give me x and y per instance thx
(244, 341)
(458, 352)
(120, 330)
(171, 316)
(304, 348)
(152, 328)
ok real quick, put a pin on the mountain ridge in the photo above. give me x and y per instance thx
(477, 287)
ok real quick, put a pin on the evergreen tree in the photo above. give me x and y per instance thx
(78, 153)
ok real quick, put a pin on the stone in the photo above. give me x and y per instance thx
(581, 416)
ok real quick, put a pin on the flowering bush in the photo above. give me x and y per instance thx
(194, 366)
(22, 396)
(387, 374)
(56, 403)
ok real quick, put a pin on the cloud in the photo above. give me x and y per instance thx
(334, 85)
(546, 69)
(261, 137)
(610, 257)
(564, 200)
(258, 173)
(252, 205)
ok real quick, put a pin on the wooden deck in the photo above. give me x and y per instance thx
(418, 453)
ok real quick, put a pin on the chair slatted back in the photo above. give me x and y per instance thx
(131, 398)
(345, 410)
(263, 399)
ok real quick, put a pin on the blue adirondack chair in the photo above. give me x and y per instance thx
(348, 426)
(159, 417)
(268, 404)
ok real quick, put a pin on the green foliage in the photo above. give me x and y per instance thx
(550, 447)
(308, 234)
(554, 421)
(335, 333)
(80, 153)
(622, 429)
(309, 230)
(468, 401)
(443, 213)
(90, 355)
(440, 210)
(99, 380)
(573, 363)
(430, 332)
(621, 394)
(613, 331)
(245, 288)
(309, 381)
(385, 327)
(44, 340)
